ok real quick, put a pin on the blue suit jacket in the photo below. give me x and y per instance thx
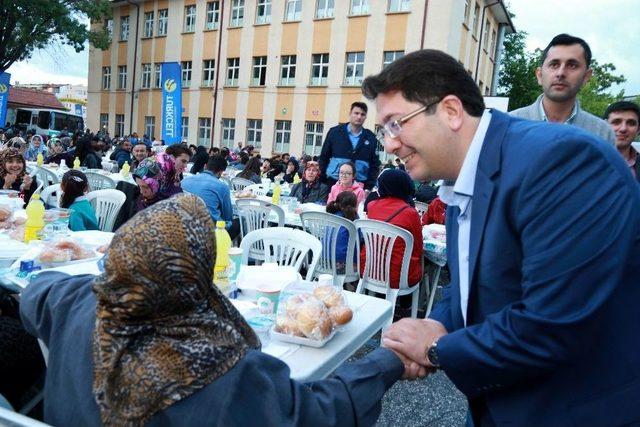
(552, 336)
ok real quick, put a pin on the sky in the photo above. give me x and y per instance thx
(609, 26)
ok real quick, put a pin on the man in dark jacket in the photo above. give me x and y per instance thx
(122, 153)
(351, 142)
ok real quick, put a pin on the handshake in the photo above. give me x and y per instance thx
(409, 339)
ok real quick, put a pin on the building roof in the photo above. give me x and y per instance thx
(23, 97)
(501, 13)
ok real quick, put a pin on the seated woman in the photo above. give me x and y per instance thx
(36, 146)
(158, 344)
(291, 171)
(310, 189)
(346, 182)
(394, 204)
(86, 154)
(156, 180)
(251, 171)
(58, 155)
(200, 159)
(13, 174)
(345, 206)
(74, 186)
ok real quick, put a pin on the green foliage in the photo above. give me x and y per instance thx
(517, 78)
(27, 25)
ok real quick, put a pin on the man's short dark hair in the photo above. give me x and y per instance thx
(622, 106)
(224, 151)
(360, 105)
(567, 40)
(216, 164)
(424, 77)
(177, 149)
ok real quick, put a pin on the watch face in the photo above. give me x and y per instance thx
(432, 355)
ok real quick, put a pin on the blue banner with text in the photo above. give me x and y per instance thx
(171, 103)
(5, 78)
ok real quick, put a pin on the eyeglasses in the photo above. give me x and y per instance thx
(393, 128)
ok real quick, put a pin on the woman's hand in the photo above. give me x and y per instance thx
(26, 181)
(9, 180)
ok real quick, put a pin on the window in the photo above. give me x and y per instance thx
(282, 136)
(293, 10)
(254, 132)
(109, 26)
(150, 126)
(122, 77)
(148, 24)
(119, 131)
(288, 71)
(158, 78)
(263, 12)
(163, 21)
(492, 52)
(186, 73)
(324, 9)
(106, 78)
(185, 128)
(313, 137)
(359, 7)
(228, 132)
(487, 29)
(259, 71)
(233, 71)
(466, 12)
(237, 13)
(319, 69)
(390, 56)
(204, 130)
(208, 72)
(146, 76)
(354, 69)
(399, 5)
(189, 19)
(104, 121)
(124, 28)
(213, 15)
(476, 12)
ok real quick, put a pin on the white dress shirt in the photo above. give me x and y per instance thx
(460, 194)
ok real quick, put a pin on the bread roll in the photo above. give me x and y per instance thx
(313, 319)
(51, 255)
(329, 295)
(340, 314)
(5, 214)
(287, 325)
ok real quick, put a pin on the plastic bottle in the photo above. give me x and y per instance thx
(125, 170)
(76, 164)
(277, 190)
(296, 179)
(40, 159)
(35, 218)
(221, 266)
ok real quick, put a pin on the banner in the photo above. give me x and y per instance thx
(78, 108)
(171, 103)
(4, 97)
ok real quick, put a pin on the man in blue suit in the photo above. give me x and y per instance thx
(539, 326)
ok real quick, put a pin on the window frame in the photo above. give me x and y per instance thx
(103, 122)
(145, 81)
(259, 65)
(296, 14)
(186, 73)
(395, 53)
(189, 20)
(228, 132)
(363, 7)
(316, 135)
(288, 68)
(236, 17)
(147, 31)
(106, 74)
(321, 66)
(357, 65)
(119, 125)
(398, 6)
(264, 17)
(208, 72)
(184, 125)
(204, 130)
(254, 128)
(157, 76)
(122, 77)
(214, 14)
(163, 23)
(282, 136)
(124, 28)
(150, 126)
(235, 69)
(325, 9)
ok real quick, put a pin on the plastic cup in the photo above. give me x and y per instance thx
(267, 299)
(325, 280)
(235, 261)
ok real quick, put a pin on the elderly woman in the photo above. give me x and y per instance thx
(36, 146)
(310, 189)
(157, 344)
(13, 174)
(156, 179)
(57, 153)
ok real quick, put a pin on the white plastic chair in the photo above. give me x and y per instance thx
(379, 238)
(254, 215)
(10, 418)
(107, 204)
(226, 181)
(46, 177)
(258, 189)
(238, 184)
(99, 182)
(326, 227)
(49, 198)
(421, 207)
(285, 246)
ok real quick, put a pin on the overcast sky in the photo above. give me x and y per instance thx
(609, 26)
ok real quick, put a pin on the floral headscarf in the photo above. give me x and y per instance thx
(311, 165)
(158, 172)
(32, 152)
(163, 330)
(10, 154)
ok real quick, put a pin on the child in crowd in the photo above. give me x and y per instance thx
(345, 206)
(346, 182)
(74, 186)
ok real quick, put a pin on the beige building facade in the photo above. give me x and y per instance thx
(279, 73)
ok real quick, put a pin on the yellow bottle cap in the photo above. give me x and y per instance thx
(221, 224)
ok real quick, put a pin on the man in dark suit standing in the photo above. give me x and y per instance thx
(539, 324)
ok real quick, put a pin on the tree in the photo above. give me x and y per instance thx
(517, 78)
(27, 25)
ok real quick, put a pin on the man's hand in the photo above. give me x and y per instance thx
(412, 337)
(412, 370)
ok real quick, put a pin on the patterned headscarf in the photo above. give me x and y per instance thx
(311, 165)
(158, 172)
(10, 154)
(163, 330)
(33, 151)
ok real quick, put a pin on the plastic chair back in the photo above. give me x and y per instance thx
(284, 246)
(421, 208)
(107, 204)
(99, 182)
(238, 184)
(51, 195)
(258, 189)
(46, 177)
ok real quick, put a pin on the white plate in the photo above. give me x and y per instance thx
(93, 238)
(299, 340)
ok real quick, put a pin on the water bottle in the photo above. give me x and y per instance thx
(35, 219)
(277, 190)
(125, 170)
(221, 266)
(76, 164)
(40, 159)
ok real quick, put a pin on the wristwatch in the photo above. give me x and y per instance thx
(432, 354)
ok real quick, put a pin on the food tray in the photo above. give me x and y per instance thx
(300, 340)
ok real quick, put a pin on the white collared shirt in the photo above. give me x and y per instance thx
(460, 194)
